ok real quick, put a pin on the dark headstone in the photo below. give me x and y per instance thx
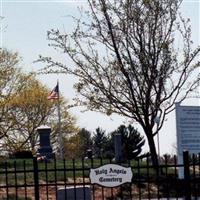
(89, 153)
(45, 145)
(22, 154)
(82, 192)
(118, 147)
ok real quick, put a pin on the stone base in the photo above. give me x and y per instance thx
(46, 151)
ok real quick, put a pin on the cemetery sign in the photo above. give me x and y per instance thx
(188, 131)
(188, 128)
(111, 175)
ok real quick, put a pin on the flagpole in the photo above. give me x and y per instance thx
(59, 125)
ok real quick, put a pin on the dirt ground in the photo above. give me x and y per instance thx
(97, 193)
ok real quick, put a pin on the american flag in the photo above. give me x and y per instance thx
(54, 94)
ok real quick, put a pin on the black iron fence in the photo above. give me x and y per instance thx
(30, 179)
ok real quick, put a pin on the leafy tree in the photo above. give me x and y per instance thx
(109, 148)
(24, 107)
(127, 61)
(100, 141)
(72, 146)
(132, 142)
(29, 109)
(86, 141)
(77, 145)
(9, 79)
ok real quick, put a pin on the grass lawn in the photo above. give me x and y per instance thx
(18, 173)
(21, 171)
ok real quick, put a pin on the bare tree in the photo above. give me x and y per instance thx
(128, 62)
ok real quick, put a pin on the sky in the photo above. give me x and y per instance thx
(23, 29)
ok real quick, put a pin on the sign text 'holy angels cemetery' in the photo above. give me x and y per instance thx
(111, 175)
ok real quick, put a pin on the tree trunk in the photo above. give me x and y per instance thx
(152, 149)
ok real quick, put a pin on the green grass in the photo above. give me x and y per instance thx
(46, 170)
(64, 170)
(65, 173)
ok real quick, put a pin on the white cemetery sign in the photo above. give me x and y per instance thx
(111, 175)
(188, 131)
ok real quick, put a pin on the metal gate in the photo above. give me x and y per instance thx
(30, 179)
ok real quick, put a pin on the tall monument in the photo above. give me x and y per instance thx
(45, 148)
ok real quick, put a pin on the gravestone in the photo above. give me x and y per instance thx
(81, 192)
(45, 148)
(89, 153)
(118, 147)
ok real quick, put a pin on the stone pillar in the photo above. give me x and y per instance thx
(45, 145)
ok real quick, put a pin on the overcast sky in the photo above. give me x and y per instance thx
(24, 28)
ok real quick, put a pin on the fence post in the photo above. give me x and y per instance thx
(187, 183)
(36, 179)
